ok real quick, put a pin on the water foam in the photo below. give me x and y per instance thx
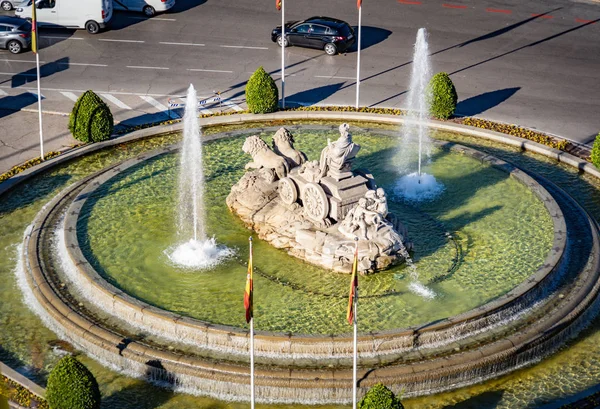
(198, 254)
(416, 188)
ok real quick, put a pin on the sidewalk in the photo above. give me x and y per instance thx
(20, 137)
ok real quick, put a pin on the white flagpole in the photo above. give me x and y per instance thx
(283, 54)
(358, 57)
(354, 380)
(252, 341)
(39, 92)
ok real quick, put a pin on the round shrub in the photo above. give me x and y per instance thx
(91, 119)
(380, 397)
(72, 386)
(442, 96)
(596, 152)
(262, 94)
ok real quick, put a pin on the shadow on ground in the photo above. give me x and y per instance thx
(481, 103)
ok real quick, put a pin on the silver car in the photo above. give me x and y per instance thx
(8, 5)
(15, 34)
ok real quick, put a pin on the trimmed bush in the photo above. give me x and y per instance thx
(72, 386)
(91, 119)
(262, 95)
(442, 96)
(595, 156)
(380, 397)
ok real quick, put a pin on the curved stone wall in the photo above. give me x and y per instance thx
(516, 329)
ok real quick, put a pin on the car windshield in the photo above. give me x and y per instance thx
(24, 27)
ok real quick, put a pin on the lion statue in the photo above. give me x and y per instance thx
(264, 157)
(283, 145)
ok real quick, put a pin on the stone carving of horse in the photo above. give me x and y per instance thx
(283, 144)
(264, 157)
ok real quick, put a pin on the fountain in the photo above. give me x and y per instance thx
(197, 252)
(418, 186)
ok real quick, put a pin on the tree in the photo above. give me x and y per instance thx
(380, 397)
(91, 119)
(596, 152)
(72, 386)
(262, 95)
(442, 96)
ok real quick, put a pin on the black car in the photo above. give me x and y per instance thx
(325, 33)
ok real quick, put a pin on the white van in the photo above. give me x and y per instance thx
(148, 7)
(92, 15)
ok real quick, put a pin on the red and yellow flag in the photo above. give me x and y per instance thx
(34, 45)
(353, 288)
(278, 4)
(248, 301)
(358, 3)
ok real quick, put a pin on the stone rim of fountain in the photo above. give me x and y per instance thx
(43, 290)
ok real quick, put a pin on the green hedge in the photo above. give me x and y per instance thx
(91, 119)
(595, 156)
(262, 95)
(442, 96)
(72, 386)
(380, 397)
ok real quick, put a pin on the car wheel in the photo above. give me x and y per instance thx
(285, 41)
(149, 11)
(330, 49)
(14, 46)
(6, 5)
(92, 27)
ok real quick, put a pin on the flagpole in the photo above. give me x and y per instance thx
(283, 54)
(355, 357)
(35, 49)
(358, 57)
(251, 345)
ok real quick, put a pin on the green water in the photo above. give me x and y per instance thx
(505, 233)
(25, 342)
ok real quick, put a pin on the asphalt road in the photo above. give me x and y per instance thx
(536, 63)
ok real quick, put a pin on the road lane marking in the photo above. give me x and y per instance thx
(201, 70)
(115, 101)
(35, 94)
(63, 37)
(3, 93)
(163, 109)
(121, 41)
(18, 74)
(409, 2)
(153, 18)
(26, 61)
(147, 68)
(205, 111)
(192, 44)
(581, 20)
(231, 105)
(82, 64)
(70, 95)
(243, 46)
(454, 6)
(334, 76)
(491, 10)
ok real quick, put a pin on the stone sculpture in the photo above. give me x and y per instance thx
(315, 209)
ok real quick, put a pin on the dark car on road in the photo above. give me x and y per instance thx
(15, 34)
(325, 33)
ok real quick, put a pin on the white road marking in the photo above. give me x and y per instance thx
(115, 101)
(26, 61)
(18, 74)
(96, 91)
(153, 18)
(36, 95)
(159, 106)
(3, 93)
(121, 41)
(242, 46)
(333, 76)
(147, 68)
(201, 70)
(63, 37)
(83, 64)
(231, 105)
(70, 95)
(192, 44)
(205, 111)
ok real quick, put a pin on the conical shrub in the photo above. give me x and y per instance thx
(380, 397)
(72, 386)
(595, 157)
(262, 95)
(442, 96)
(91, 119)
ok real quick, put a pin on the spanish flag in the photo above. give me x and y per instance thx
(248, 302)
(34, 46)
(278, 4)
(353, 287)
